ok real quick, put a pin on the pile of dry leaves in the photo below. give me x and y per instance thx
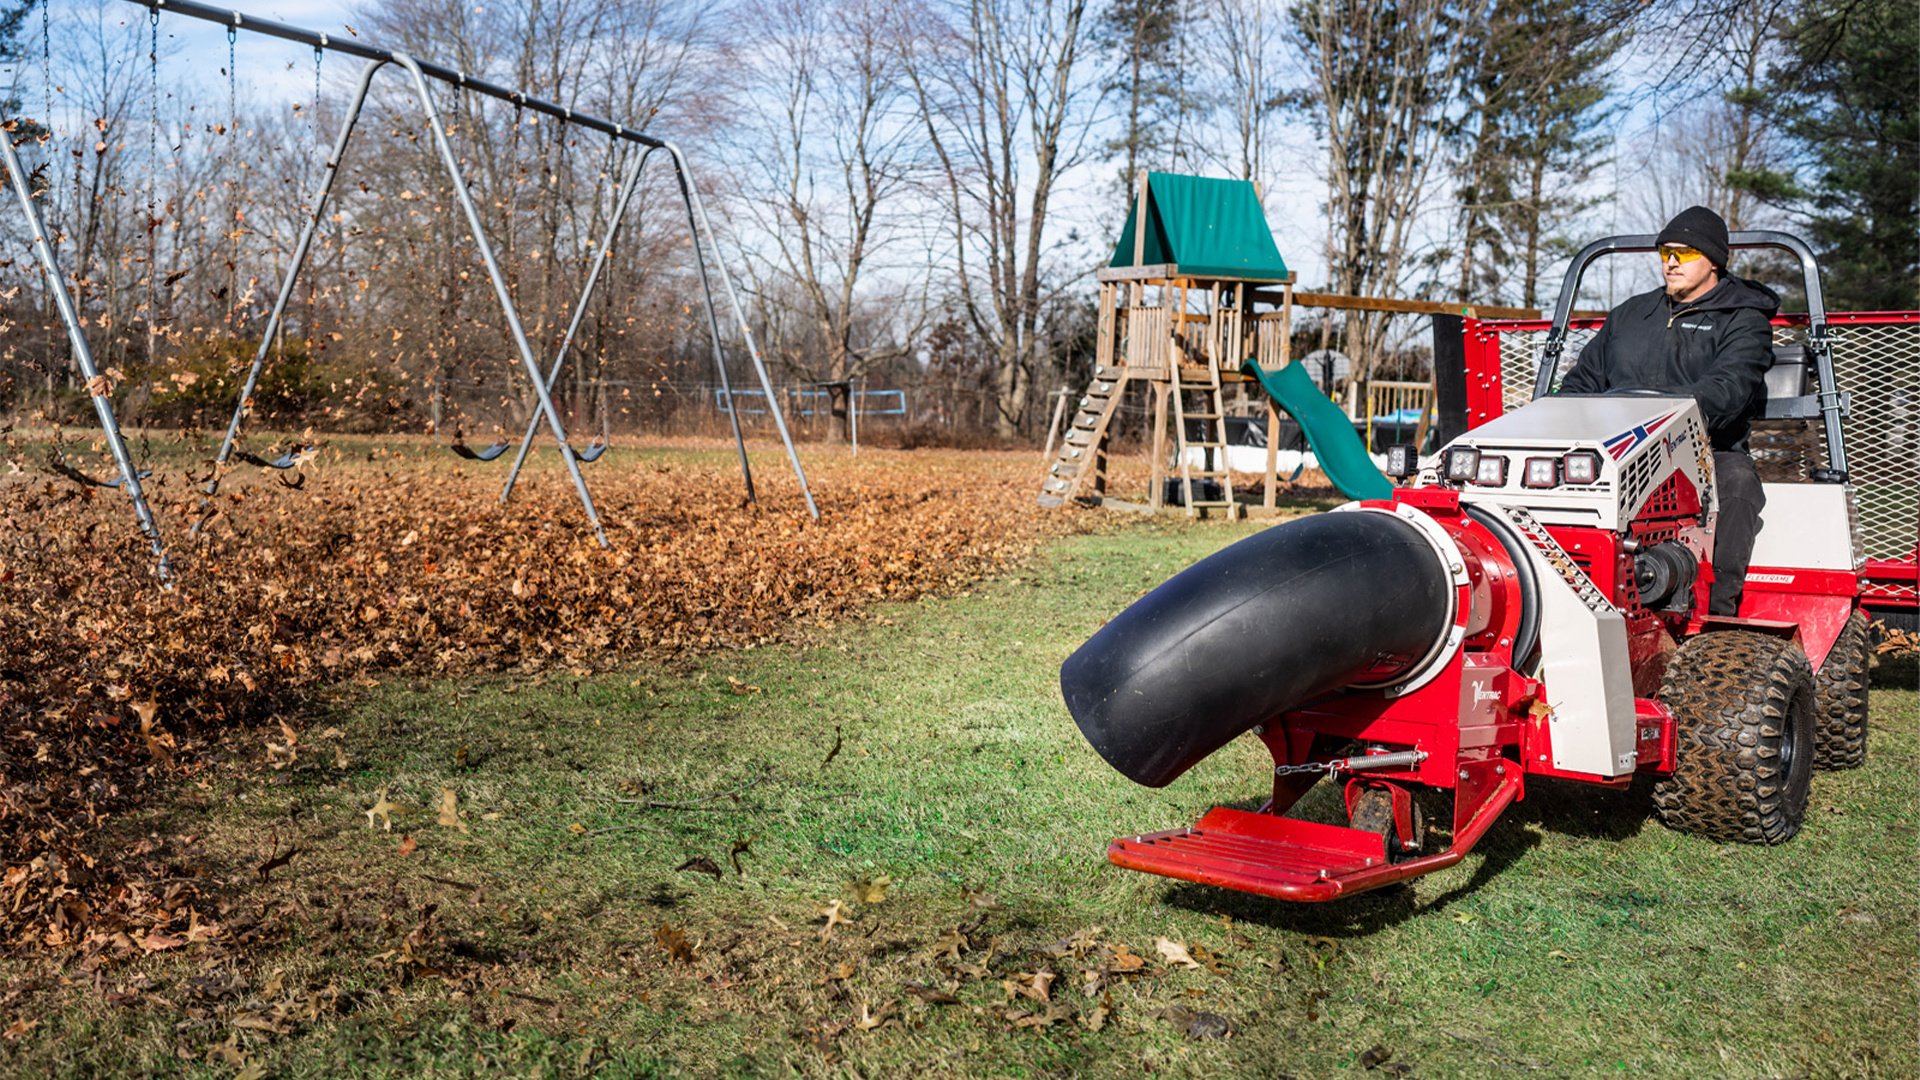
(397, 564)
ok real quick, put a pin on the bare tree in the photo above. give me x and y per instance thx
(1001, 83)
(1245, 52)
(1381, 74)
(836, 147)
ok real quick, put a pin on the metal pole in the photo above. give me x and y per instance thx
(579, 313)
(733, 299)
(500, 289)
(318, 206)
(241, 21)
(83, 355)
(853, 417)
(713, 331)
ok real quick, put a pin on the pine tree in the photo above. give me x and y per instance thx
(1537, 94)
(1847, 95)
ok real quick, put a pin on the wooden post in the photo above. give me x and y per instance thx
(1157, 477)
(1140, 220)
(1053, 429)
(1273, 455)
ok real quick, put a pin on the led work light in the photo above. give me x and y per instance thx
(1463, 464)
(1582, 467)
(1492, 471)
(1542, 472)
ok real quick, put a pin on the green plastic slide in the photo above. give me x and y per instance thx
(1343, 457)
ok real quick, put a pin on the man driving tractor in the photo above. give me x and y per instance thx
(1705, 334)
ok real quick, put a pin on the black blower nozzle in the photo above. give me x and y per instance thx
(1282, 617)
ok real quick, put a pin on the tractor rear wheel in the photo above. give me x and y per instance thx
(1840, 739)
(1373, 812)
(1744, 711)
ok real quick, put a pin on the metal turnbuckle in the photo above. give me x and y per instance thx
(1397, 760)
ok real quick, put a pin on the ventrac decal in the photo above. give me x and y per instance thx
(1620, 444)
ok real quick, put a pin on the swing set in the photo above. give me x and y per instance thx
(421, 75)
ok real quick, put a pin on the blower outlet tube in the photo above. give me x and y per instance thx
(1282, 617)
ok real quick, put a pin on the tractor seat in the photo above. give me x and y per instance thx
(1792, 390)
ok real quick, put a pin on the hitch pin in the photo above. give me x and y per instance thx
(1400, 759)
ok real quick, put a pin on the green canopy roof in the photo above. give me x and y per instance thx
(1207, 227)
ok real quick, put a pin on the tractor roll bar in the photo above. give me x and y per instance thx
(241, 21)
(1832, 405)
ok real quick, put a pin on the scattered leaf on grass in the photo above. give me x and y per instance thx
(1375, 1056)
(1035, 985)
(1196, 1025)
(1174, 953)
(835, 913)
(157, 941)
(741, 687)
(1096, 1017)
(930, 995)
(700, 864)
(673, 941)
(384, 810)
(740, 847)
(951, 945)
(873, 1018)
(869, 890)
(1210, 960)
(450, 810)
(1125, 961)
(408, 844)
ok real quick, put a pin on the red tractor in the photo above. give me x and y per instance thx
(1532, 603)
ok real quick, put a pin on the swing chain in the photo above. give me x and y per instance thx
(233, 96)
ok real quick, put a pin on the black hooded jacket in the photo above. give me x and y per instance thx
(1717, 348)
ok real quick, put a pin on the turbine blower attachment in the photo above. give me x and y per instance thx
(1261, 627)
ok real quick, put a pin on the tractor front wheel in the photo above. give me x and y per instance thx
(1744, 711)
(1840, 740)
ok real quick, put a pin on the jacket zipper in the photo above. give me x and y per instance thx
(1677, 314)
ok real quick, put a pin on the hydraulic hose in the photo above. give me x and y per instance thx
(1268, 624)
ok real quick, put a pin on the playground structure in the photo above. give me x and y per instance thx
(704, 244)
(1195, 302)
(1180, 311)
(1531, 603)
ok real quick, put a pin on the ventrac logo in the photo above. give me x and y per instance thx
(1483, 693)
(1620, 444)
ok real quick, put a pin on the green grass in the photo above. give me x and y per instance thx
(1582, 939)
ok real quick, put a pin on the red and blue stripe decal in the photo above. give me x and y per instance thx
(1627, 440)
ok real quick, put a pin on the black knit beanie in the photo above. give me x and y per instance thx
(1701, 229)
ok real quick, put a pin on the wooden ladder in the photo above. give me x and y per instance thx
(1082, 461)
(1201, 424)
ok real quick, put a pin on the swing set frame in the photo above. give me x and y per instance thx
(420, 73)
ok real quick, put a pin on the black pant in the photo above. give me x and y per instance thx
(1741, 499)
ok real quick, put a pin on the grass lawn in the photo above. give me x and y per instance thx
(882, 853)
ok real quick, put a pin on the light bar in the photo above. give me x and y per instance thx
(1492, 471)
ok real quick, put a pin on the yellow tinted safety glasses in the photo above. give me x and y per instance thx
(1678, 253)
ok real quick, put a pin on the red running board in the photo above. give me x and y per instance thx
(1290, 859)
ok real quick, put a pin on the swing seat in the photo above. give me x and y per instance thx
(487, 454)
(285, 461)
(592, 452)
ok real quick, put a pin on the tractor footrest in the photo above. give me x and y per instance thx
(1284, 858)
